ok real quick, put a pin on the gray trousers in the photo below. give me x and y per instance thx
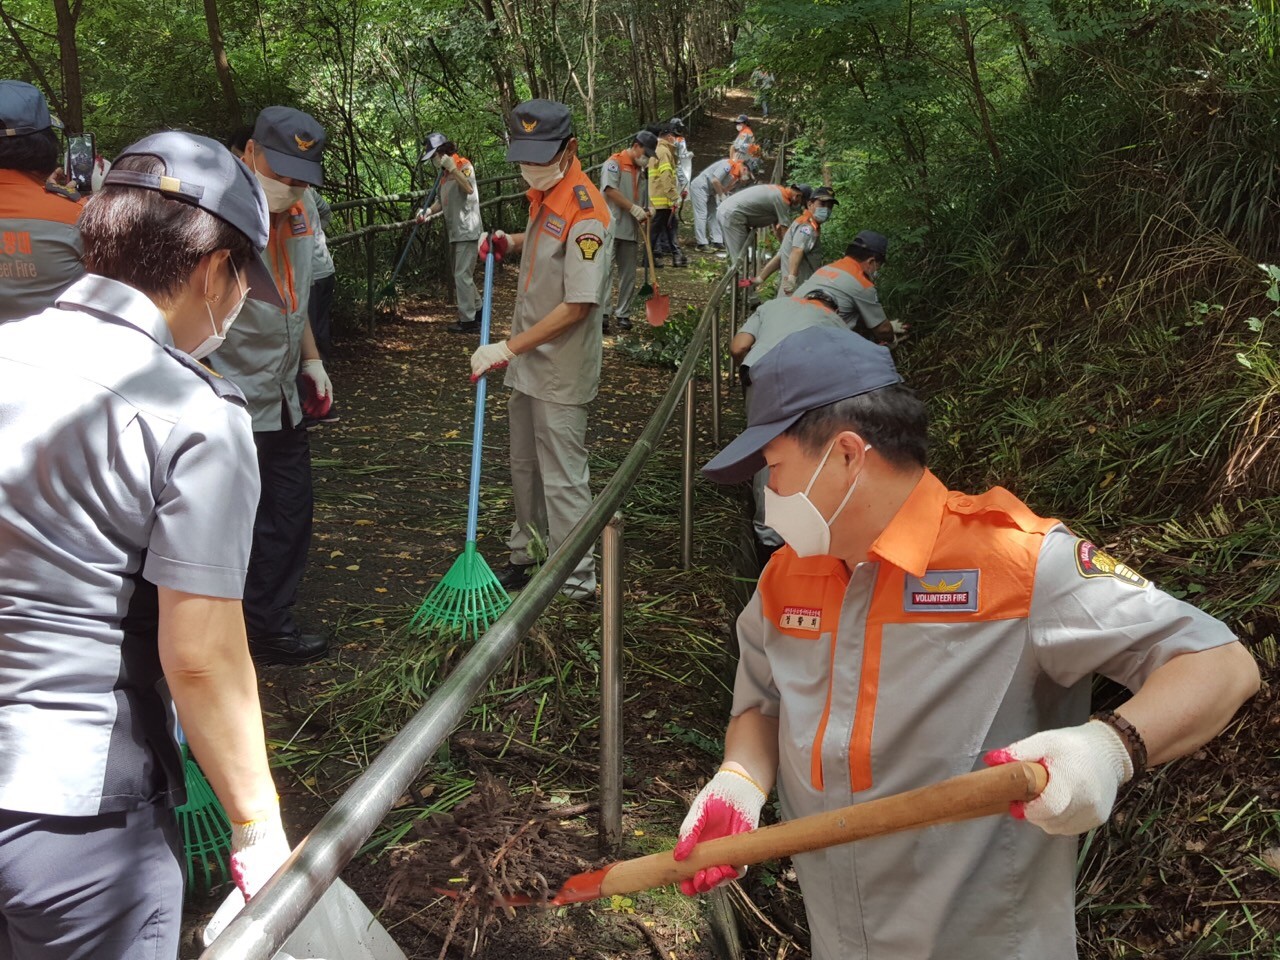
(625, 256)
(736, 234)
(90, 888)
(705, 224)
(464, 279)
(549, 480)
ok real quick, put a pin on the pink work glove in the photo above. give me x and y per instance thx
(258, 849)
(1086, 766)
(498, 240)
(730, 803)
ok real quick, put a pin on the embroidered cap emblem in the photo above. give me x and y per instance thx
(529, 125)
(303, 145)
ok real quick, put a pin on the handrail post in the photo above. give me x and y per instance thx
(611, 688)
(716, 348)
(368, 281)
(686, 478)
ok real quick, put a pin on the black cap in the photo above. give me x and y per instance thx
(647, 140)
(538, 127)
(675, 123)
(293, 142)
(825, 194)
(432, 144)
(742, 118)
(806, 370)
(805, 191)
(205, 174)
(23, 110)
(877, 244)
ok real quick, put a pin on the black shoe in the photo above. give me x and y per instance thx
(604, 324)
(470, 326)
(703, 248)
(718, 246)
(515, 575)
(624, 323)
(479, 315)
(679, 260)
(288, 649)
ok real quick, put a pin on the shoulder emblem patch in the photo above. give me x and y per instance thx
(584, 197)
(67, 193)
(801, 618)
(949, 591)
(589, 245)
(1092, 562)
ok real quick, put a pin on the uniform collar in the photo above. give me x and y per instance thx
(560, 198)
(907, 542)
(114, 300)
(625, 160)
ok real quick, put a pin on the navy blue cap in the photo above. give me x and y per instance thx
(205, 174)
(293, 142)
(742, 118)
(23, 110)
(876, 243)
(538, 127)
(806, 370)
(824, 194)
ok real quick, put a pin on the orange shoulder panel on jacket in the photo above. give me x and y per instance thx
(22, 197)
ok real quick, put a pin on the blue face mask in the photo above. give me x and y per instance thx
(821, 214)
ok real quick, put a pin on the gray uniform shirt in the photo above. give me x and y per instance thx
(263, 350)
(633, 184)
(807, 235)
(127, 466)
(567, 248)
(763, 205)
(776, 320)
(975, 624)
(855, 295)
(461, 210)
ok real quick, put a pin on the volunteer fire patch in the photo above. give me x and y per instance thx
(1092, 562)
(801, 618)
(588, 246)
(941, 591)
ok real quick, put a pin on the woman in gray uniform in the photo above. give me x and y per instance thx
(127, 495)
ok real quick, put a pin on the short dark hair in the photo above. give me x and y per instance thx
(892, 419)
(240, 138)
(858, 252)
(149, 241)
(35, 153)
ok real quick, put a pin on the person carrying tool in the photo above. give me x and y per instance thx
(625, 190)
(127, 498)
(800, 252)
(907, 633)
(554, 349)
(460, 200)
(850, 281)
(707, 189)
(664, 198)
(763, 205)
(740, 149)
(270, 346)
(39, 242)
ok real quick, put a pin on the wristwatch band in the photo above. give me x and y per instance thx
(1133, 741)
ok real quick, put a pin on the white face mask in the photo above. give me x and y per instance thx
(539, 177)
(798, 522)
(215, 339)
(280, 196)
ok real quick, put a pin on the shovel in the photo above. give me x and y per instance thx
(658, 307)
(983, 793)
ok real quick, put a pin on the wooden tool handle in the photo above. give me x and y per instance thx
(966, 797)
(648, 248)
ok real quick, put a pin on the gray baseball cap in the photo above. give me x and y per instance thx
(205, 174)
(648, 140)
(23, 110)
(432, 144)
(809, 369)
(538, 127)
(293, 141)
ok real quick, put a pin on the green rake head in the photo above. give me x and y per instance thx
(206, 831)
(466, 601)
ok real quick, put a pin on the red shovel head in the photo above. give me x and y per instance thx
(657, 308)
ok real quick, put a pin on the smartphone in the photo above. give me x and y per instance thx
(81, 150)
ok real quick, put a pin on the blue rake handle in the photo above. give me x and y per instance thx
(431, 198)
(477, 427)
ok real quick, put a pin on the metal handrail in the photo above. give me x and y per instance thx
(266, 922)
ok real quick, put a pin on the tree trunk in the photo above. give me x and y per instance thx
(68, 53)
(965, 35)
(220, 61)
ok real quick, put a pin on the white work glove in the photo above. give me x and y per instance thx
(639, 212)
(423, 215)
(1086, 766)
(489, 356)
(258, 848)
(789, 284)
(448, 165)
(318, 404)
(730, 803)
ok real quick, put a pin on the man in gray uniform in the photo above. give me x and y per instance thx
(459, 199)
(39, 243)
(800, 253)
(554, 350)
(764, 205)
(625, 189)
(706, 190)
(850, 282)
(906, 634)
(264, 355)
(127, 495)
